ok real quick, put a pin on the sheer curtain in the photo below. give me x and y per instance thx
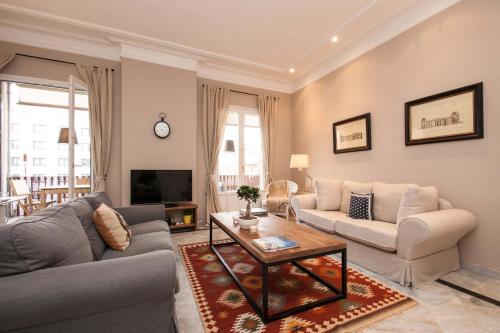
(215, 109)
(268, 107)
(5, 58)
(99, 83)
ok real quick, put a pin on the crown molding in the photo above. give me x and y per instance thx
(47, 39)
(157, 57)
(219, 73)
(407, 18)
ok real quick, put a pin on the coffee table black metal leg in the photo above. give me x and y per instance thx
(265, 292)
(210, 232)
(344, 273)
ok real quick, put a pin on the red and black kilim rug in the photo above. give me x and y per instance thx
(224, 308)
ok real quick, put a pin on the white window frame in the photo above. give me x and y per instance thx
(241, 110)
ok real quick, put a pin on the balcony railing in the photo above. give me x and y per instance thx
(37, 182)
(231, 182)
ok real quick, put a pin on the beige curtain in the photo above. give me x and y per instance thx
(99, 83)
(268, 107)
(215, 109)
(5, 58)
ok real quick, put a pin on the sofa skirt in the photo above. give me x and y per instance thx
(395, 268)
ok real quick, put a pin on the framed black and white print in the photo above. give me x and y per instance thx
(353, 134)
(449, 116)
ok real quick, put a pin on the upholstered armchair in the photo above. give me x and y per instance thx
(278, 195)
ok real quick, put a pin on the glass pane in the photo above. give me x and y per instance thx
(39, 95)
(253, 156)
(34, 132)
(232, 118)
(252, 119)
(229, 160)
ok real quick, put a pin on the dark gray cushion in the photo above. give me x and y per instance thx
(52, 237)
(85, 214)
(95, 199)
(149, 227)
(141, 244)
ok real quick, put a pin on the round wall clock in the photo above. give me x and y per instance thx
(162, 128)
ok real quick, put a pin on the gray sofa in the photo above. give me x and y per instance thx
(57, 275)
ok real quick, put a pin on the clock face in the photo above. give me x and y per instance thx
(162, 129)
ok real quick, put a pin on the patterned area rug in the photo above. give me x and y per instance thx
(224, 308)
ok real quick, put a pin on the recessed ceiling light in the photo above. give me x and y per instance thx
(291, 70)
(335, 39)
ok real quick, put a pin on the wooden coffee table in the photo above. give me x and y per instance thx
(312, 243)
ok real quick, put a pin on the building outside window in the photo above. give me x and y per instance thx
(244, 165)
(15, 144)
(85, 162)
(39, 161)
(38, 128)
(85, 146)
(62, 162)
(85, 131)
(39, 145)
(15, 161)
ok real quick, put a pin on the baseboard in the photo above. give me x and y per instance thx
(480, 270)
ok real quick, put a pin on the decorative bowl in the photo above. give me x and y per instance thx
(246, 224)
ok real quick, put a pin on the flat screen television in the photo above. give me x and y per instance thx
(160, 186)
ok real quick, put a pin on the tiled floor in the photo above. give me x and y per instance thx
(441, 309)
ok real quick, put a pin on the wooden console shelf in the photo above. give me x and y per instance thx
(174, 214)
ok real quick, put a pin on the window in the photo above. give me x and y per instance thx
(39, 145)
(14, 128)
(15, 161)
(39, 129)
(85, 147)
(15, 144)
(38, 161)
(62, 147)
(85, 161)
(243, 166)
(85, 131)
(62, 162)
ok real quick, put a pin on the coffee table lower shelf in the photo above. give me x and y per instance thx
(263, 311)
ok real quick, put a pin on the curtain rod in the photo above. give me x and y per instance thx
(243, 92)
(53, 60)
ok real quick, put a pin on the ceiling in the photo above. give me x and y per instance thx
(257, 39)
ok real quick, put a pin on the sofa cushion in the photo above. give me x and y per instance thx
(141, 244)
(352, 187)
(149, 227)
(321, 219)
(328, 194)
(95, 199)
(112, 227)
(386, 200)
(378, 234)
(361, 206)
(418, 200)
(52, 237)
(84, 212)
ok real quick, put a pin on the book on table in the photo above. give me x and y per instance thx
(275, 243)
(254, 212)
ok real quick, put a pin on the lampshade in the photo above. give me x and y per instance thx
(64, 136)
(299, 161)
(229, 146)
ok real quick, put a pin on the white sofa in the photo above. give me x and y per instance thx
(418, 248)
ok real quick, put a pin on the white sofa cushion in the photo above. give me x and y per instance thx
(328, 194)
(418, 200)
(386, 200)
(352, 187)
(321, 219)
(378, 234)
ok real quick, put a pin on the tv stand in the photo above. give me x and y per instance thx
(174, 216)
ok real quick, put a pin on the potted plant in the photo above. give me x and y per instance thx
(249, 194)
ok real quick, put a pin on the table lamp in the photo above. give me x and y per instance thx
(300, 161)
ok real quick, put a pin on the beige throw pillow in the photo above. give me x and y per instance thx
(418, 200)
(112, 227)
(352, 187)
(328, 194)
(386, 200)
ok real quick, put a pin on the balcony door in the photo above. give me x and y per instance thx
(32, 118)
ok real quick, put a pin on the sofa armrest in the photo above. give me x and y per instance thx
(144, 213)
(303, 201)
(422, 234)
(70, 292)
